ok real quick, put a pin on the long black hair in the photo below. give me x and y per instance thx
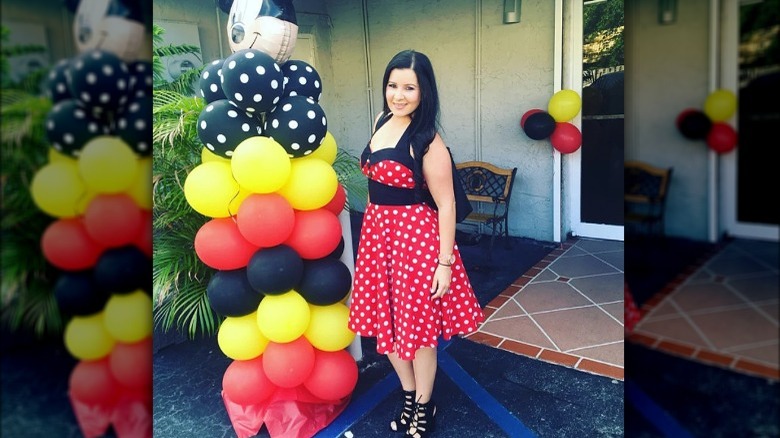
(425, 119)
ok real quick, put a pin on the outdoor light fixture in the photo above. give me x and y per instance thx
(511, 11)
(667, 11)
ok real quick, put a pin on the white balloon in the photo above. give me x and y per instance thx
(246, 29)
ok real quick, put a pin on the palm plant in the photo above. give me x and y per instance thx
(27, 280)
(180, 278)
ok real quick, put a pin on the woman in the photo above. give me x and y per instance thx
(410, 285)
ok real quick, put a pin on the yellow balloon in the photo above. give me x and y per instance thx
(57, 188)
(206, 155)
(328, 327)
(128, 316)
(260, 164)
(564, 105)
(326, 151)
(283, 318)
(311, 185)
(141, 188)
(108, 165)
(87, 338)
(240, 338)
(210, 188)
(720, 105)
(56, 156)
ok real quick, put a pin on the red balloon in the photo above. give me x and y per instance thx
(288, 364)
(67, 245)
(528, 113)
(336, 205)
(114, 220)
(316, 234)
(265, 220)
(131, 363)
(144, 239)
(245, 382)
(91, 382)
(334, 375)
(722, 138)
(566, 138)
(220, 245)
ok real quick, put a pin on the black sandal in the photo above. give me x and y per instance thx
(405, 419)
(424, 421)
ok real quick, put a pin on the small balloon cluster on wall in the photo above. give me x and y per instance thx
(554, 123)
(710, 123)
(97, 188)
(274, 238)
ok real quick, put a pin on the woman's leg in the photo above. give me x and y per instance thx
(404, 370)
(424, 365)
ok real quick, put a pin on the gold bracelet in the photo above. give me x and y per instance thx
(444, 264)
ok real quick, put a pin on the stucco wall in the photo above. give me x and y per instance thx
(666, 72)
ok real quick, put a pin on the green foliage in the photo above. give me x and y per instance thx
(27, 281)
(604, 22)
(184, 84)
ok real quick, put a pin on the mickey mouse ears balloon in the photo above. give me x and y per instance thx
(112, 25)
(266, 25)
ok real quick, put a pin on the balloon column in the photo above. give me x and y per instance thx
(273, 237)
(97, 188)
(710, 124)
(555, 123)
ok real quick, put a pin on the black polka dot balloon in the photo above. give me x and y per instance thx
(141, 79)
(134, 127)
(301, 79)
(252, 80)
(70, 125)
(57, 82)
(298, 123)
(100, 80)
(210, 85)
(222, 126)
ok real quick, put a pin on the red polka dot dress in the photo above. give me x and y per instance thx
(395, 262)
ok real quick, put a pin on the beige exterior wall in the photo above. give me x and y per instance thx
(666, 72)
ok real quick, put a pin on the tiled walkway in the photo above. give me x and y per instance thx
(568, 309)
(723, 312)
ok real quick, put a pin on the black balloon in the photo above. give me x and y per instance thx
(123, 270)
(133, 125)
(69, 126)
(539, 125)
(222, 126)
(210, 84)
(336, 254)
(141, 79)
(100, 80)
(77, 294)
(231, 294)
(298, 123)
(57, 82)
(325, 281)
(275, 270)
(301, 79)
(252, 80)
(695, 125)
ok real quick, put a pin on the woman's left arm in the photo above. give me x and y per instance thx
(437, 170)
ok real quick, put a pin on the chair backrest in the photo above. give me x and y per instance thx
(645, 183)
(485, 182)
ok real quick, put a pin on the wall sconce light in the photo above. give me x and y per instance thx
(667, 11)
(511, 11)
